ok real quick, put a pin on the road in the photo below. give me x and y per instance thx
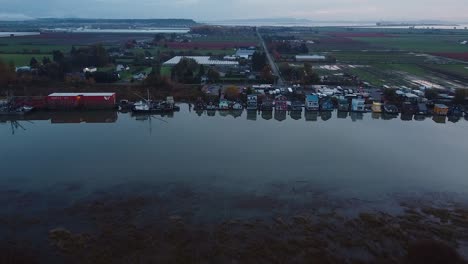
(280, 81)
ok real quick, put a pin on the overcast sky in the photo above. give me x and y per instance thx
(205, 10)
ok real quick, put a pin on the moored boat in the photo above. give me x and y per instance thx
(390, 109)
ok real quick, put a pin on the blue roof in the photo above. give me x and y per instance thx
(312, 97)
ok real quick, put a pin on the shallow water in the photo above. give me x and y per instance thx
(228, 166)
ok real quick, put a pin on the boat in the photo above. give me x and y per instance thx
(296, 106)
(267, 105)
(125, 105)
(377, 107)
(149, 106)
(211, 106)
(455, 111)
(237, 106)
(7, 110)
(390, 109)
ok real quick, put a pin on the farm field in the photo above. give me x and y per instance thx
(22, 59)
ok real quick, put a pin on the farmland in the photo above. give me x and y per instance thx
(386, 56)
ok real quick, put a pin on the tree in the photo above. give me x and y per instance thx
(184, 70)
(58, 56)
(267, 75)
(33, 63)
(45, 60)
(213, 75)
(460, 96)
(232, 93)
(7, 73)
(259, 61)
(431, 94)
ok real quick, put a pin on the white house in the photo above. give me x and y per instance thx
(90, 69)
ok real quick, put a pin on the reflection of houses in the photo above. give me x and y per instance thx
(312, 102)
(252, 115)
(327, 115)
(267, 105)
(296, 106)
(355, 116)
(296, 115)
(358, 105)
(280, 115)
(440, 119)
(267, 115)
(342, 114)
(311, 116)
(281, 103)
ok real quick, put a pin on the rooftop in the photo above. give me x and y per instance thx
(204, 60)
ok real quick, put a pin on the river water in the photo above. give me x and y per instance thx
(213, 166)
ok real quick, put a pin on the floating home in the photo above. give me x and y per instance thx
(358, 105)
(441, 110)
(223, 104)
(408, 108)
(252, 102)
(267, 105)
(81, 101)
(422, 109)
(312, 102)
(281, 103)
(326, 105)
(296, 106)
(377, 107)
(343, 105)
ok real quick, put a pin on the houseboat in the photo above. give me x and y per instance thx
(312, 103)
(237, 106)
(7, 110)
(223, 104)
(211, 106)
(199, 105)
(377, 107)
(440, 110)
(422, 109)
(408, 108)
(343, 105)
(455, 111)
(390, 109)
(358, 105)
(281, 103)
(296, 106)
(326, 105)
(252, 102)
(267, 105)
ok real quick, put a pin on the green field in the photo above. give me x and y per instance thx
(419, 43)
(166, 71)
(22, 59)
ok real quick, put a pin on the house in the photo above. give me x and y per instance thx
(121, 67)
(326, 105)
(312, 102)
(441, 110)
(223, 104)
(358, 105)
(245, 53)
(237, 106)
(139, 77)
(377, 107)
(422, 109)
(311, 58)
(408, 108)
(296, 106)
(281, 103)
(252, 102)
(90, 69)
(343, 105)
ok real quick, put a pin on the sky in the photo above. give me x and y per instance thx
(206, 10)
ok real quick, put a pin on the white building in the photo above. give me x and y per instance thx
(203, 60)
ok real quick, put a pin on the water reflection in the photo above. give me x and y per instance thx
(252, 115)
(311, 116)
(267, 115)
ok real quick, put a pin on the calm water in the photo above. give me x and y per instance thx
(356, 155)
(226, 165)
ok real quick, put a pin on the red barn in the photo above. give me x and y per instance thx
(81, 101)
